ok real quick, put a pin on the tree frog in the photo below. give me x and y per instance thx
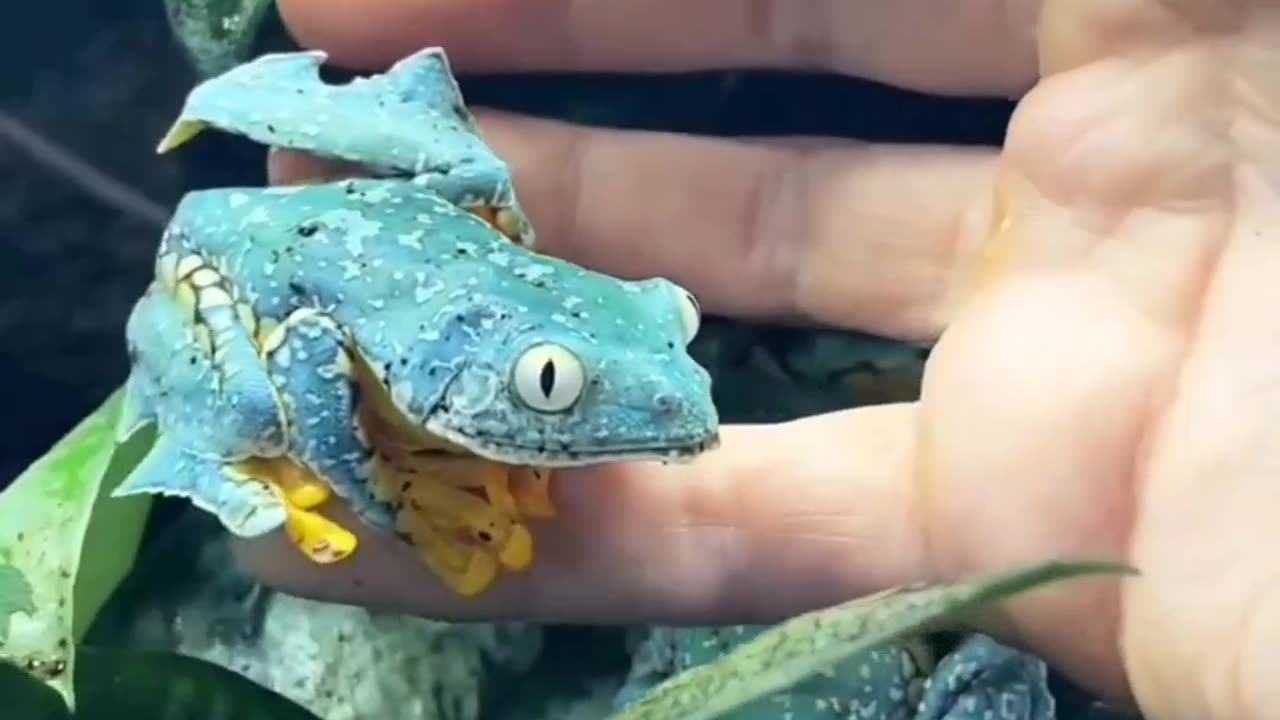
(394, 340)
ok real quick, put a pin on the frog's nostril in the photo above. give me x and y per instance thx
(667, 403)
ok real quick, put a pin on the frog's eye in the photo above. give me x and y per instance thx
(690, 314)
(548, 378)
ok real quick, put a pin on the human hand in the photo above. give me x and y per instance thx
(1097, 289)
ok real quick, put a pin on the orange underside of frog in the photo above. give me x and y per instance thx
(465, 516)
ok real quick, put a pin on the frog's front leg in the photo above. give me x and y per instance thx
(309, 360)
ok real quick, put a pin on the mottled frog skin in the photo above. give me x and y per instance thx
(410, 121)
(979, 680)
(394, 340)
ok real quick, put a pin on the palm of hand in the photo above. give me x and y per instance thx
(1127, 383)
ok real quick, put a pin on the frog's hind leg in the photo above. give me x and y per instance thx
(485, 190)
(195, 368)
(223, 436)
(245, 508)
(472, 176)
(308, 357)
(244, 504)
(195, 373)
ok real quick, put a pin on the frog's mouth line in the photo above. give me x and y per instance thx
(498, 451)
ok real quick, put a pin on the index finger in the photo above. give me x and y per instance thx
(706, 542)
(973, 47)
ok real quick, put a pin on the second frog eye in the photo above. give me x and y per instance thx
(548, 378)
(690, 314)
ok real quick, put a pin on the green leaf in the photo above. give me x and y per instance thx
(217, 34)
(167, 686)
(28, 698)
(144, 685)
(812, 643)
(15, 597)
(68, 543)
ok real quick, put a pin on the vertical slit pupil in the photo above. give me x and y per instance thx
(547, 378)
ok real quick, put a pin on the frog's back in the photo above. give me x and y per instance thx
(394, 263)
(357, 247)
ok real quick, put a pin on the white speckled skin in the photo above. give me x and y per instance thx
(395, 272)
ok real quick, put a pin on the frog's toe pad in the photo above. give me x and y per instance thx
(480, 573)
(319, 538)
(468, 571)
(300, 492)
(517, 554)
(462, 541)
(301, 488)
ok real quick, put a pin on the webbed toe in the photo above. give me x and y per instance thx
(459, 514)
(300, 491)
(466, 570)
(246, 509)
(301, 488)
(319, 538)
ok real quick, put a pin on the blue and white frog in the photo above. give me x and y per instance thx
(393, 340)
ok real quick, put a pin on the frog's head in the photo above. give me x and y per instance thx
(554, 378)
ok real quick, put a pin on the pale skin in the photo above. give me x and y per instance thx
(1107, 375)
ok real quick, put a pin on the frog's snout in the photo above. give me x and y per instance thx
(682, 414)
(695, 425)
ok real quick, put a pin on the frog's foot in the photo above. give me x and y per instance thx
(509, 221)
(459, 515)
(514, 491)
(460, 536)
(246, 509)
(465, 570)
(300, 492)
(531, 492)
(308, 358)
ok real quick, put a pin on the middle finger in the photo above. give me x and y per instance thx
(875, 237)
(972, 47)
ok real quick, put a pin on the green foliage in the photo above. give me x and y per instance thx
(15, 597)
(65, 545)
(217, 34)
(147, 686)
(814, 642)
